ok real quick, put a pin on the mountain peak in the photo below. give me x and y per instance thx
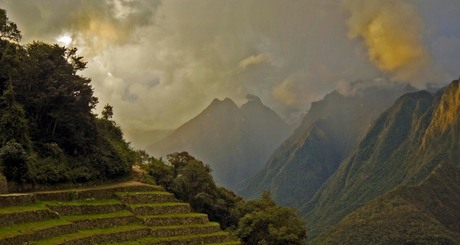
(253, 98)
(234, 142)
(446, 114)
(227, 102)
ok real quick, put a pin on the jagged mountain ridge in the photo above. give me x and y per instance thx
(234, 141)
(418, 134)
(327, 134)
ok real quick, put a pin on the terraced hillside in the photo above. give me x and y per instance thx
(128, 213)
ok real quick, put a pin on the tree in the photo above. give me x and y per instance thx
(13, 122)
(107, 112)
(191, 181)
(13, 158)
(48, 132)
(264, 222)
(256, 222)
(8, 29)
(57, 101)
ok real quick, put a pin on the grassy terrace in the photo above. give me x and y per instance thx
(9, 231)
(82, 202)
(91, 232)
(188, 238)
(72, 218)
(142, 193)
(108, 220)
(9, 210)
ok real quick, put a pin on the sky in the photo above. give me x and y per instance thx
(160, 63)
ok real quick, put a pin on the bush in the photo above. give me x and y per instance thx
(255, 222)
(13, 158)
(264, 222)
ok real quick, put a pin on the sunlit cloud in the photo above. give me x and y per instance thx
(65, 39)
(159, 63)
(253, 60)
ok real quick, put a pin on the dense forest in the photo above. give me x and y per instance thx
(259, 221)
(48, 131)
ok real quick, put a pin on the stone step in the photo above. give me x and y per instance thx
(145, 197)
(185, 230)
(18, 215)
(13, 200)
(94, 193)
(100, 236)
(24, 233)
(215, 237)
(87, 207)
(106, 193)
(175, 219)
(98, 221)
(160, 208)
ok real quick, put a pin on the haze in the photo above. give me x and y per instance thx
(159, 63)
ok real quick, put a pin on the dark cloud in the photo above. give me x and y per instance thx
(159, 63)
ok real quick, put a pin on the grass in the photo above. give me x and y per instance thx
(159, 204)
(143, 193)
(19, 209)
(88, 233)
(150, 240)
(183, 226)
(9, 231)
(34, 228)
(173, 215)
(123, 213)
(94, 202)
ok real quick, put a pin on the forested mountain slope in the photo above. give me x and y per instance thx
(48, 132)
(327, 134)
(416, 138)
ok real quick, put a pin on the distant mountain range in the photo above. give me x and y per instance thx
(377, 166)
(328, 133)
(142, 139)
(401, 184)
(235, 142)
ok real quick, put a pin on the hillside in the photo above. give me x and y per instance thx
(124, 213)
(327, 134)
(48, 131)
(234, 141)
(423, 214)
(418, 134)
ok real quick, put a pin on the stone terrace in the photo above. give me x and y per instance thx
(125, 213)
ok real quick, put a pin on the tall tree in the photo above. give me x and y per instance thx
(8, 29)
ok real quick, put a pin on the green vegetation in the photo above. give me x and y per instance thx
(93, 202)
(48, 133)
(153, 240)
(424, 214)
(78, 221)
(9, 210)
(263, 222)
(400, 183)
(88, 233)
(254, 221)
(123, 213)
(327, 135)
(9, 231)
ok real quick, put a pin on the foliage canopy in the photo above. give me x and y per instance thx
(254, 222)
(48, 133)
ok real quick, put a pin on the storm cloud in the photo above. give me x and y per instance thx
(159, 63)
